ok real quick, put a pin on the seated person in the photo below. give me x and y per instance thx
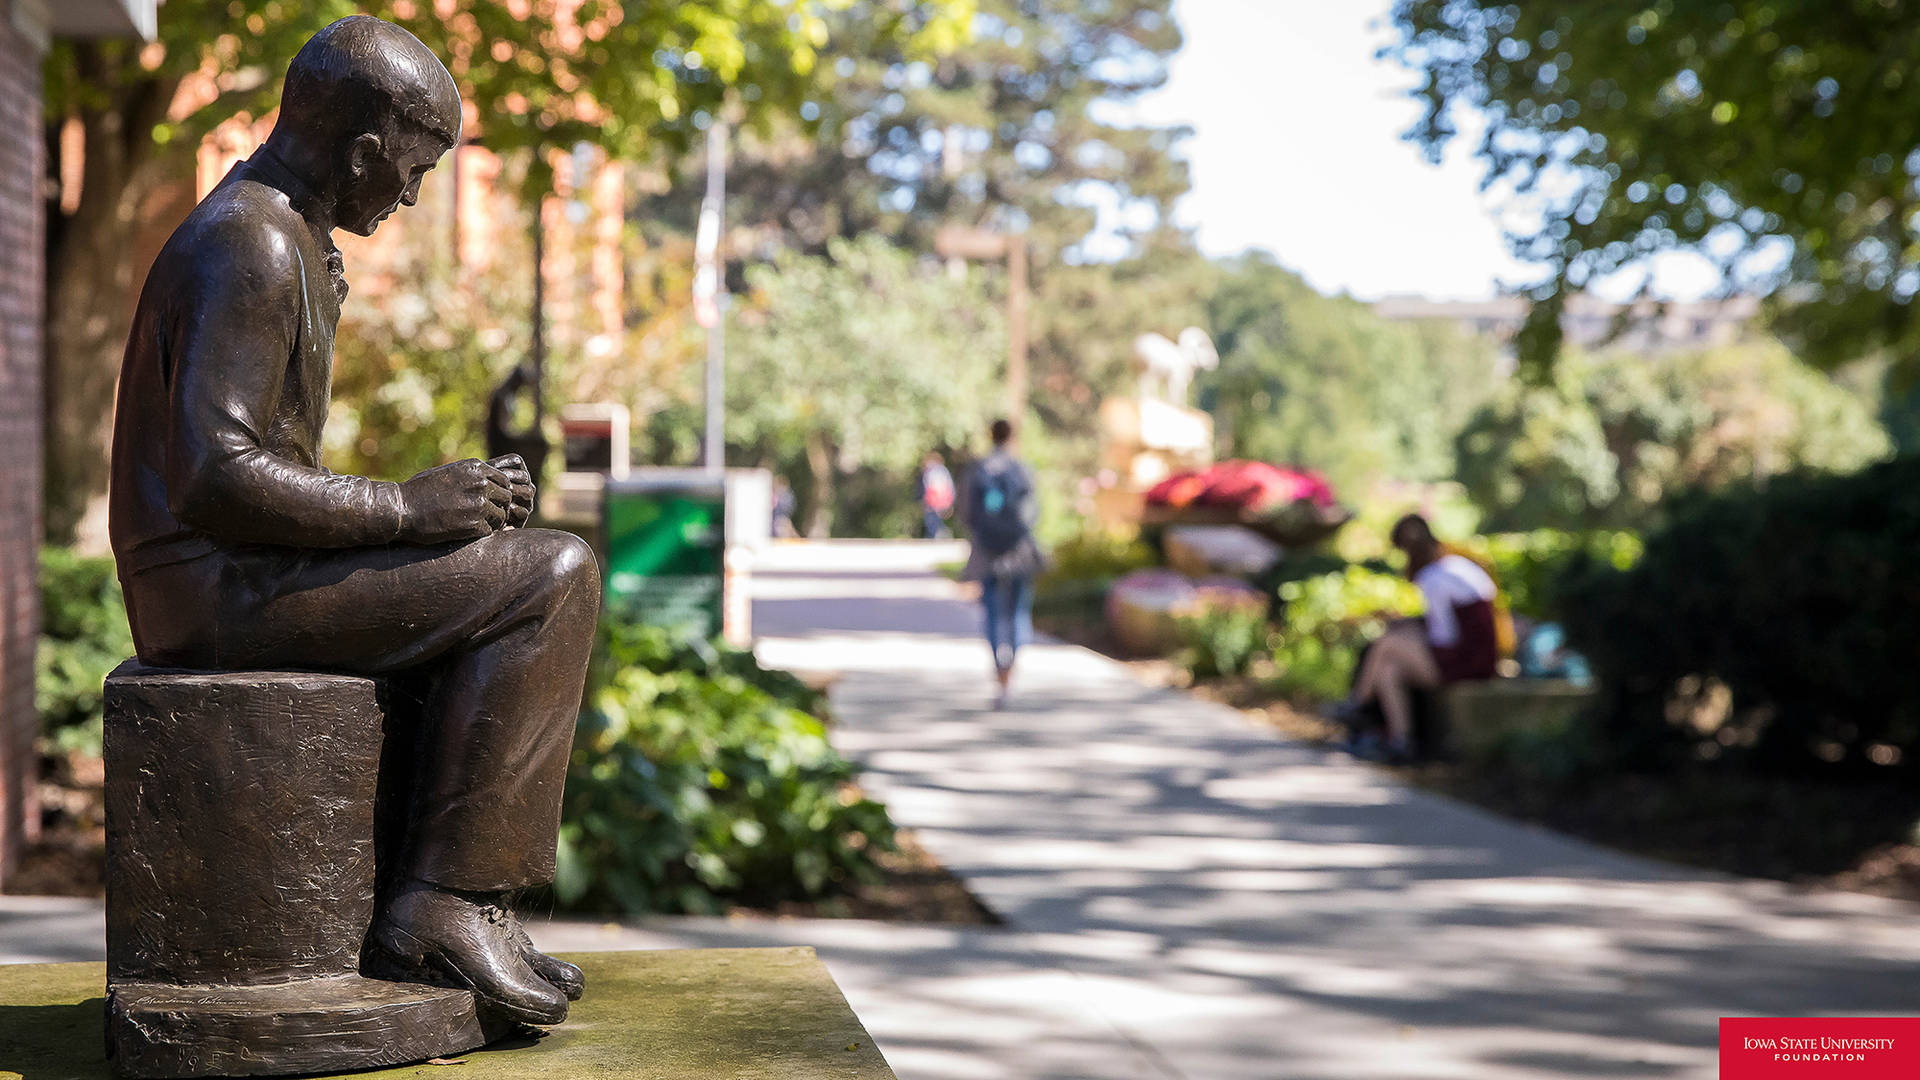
(1457, 640)
(238, 550)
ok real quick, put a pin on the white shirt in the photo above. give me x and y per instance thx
(1446, 583)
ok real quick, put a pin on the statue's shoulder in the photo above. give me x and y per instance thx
(242, 226)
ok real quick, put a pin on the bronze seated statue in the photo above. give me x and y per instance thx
(239, 552)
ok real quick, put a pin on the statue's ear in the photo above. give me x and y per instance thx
(362, 151)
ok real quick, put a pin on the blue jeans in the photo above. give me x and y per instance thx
(932, 525)
(1009, 606)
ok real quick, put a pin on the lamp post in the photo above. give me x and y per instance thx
(963, 242)
(709, 296)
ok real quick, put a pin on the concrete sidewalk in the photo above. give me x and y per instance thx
(1236, 905)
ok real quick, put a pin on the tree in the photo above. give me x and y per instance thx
(1322, 382)
(1741, 129)
(1007, 130)
(1012, 131)
(638, 79)
(865, 357)
(1611, 437)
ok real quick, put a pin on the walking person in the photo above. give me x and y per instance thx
(935, 486)
(1000, 512)
(783, 507)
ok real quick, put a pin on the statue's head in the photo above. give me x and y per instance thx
(380, 108)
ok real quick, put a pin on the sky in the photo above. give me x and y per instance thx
(1297, 149)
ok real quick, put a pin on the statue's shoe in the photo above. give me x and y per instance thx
(561, 975)
(474, 943)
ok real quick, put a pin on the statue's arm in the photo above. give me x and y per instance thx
(240, 314)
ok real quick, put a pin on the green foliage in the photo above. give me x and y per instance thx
(1300, 566)
(1900, 415)
(1003, 129)
(865, 358)
(1802, 598)
(699, 779)
(1221, 632)
(1098, 555)
(1327, 621)
(1609, 437)
(1082, 566)
(1722, 126)
(1321, 382)
(413, 372)
(630, 78)
(1528, 566)
(83, 636)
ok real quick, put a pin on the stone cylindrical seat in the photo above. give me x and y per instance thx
(241, 879)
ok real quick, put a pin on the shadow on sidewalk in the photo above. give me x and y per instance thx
(1163, 848)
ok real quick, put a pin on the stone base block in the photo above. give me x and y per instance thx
(308, 1026)
(1482, 716)
(240, 824)
(677, 1014)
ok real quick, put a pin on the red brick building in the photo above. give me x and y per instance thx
(26, 26)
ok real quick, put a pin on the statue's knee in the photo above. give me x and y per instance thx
(568, 569)
(574, 564)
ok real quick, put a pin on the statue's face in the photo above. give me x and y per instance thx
(384, 175)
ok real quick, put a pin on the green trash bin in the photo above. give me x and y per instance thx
(666, 552)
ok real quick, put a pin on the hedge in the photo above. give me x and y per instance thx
(1802, 598)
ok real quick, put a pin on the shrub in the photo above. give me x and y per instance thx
(83, 637)
(1529, 565)
(1329, 619)
(1082, 567)
(1301, 565)
(1222, 629)
(1096, 555)
(699, 778)
(1802, 598)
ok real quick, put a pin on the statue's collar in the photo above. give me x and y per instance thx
(267, 167)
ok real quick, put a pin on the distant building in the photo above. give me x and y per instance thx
(1588, 321)
(27, 27)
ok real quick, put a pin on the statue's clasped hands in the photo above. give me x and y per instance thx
(462, 500)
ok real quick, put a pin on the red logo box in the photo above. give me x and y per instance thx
(1814, 1048)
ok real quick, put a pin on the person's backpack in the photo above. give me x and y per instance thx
(939, 488)
(999, 495)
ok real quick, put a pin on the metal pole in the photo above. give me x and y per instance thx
(715, 454)
(537, 362)
(1016, 329)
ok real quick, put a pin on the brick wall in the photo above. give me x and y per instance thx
(22, 249)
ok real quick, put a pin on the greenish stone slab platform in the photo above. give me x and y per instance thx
(675, 1014)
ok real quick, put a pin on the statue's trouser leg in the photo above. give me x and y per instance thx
(501, 626)
(486, 802)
